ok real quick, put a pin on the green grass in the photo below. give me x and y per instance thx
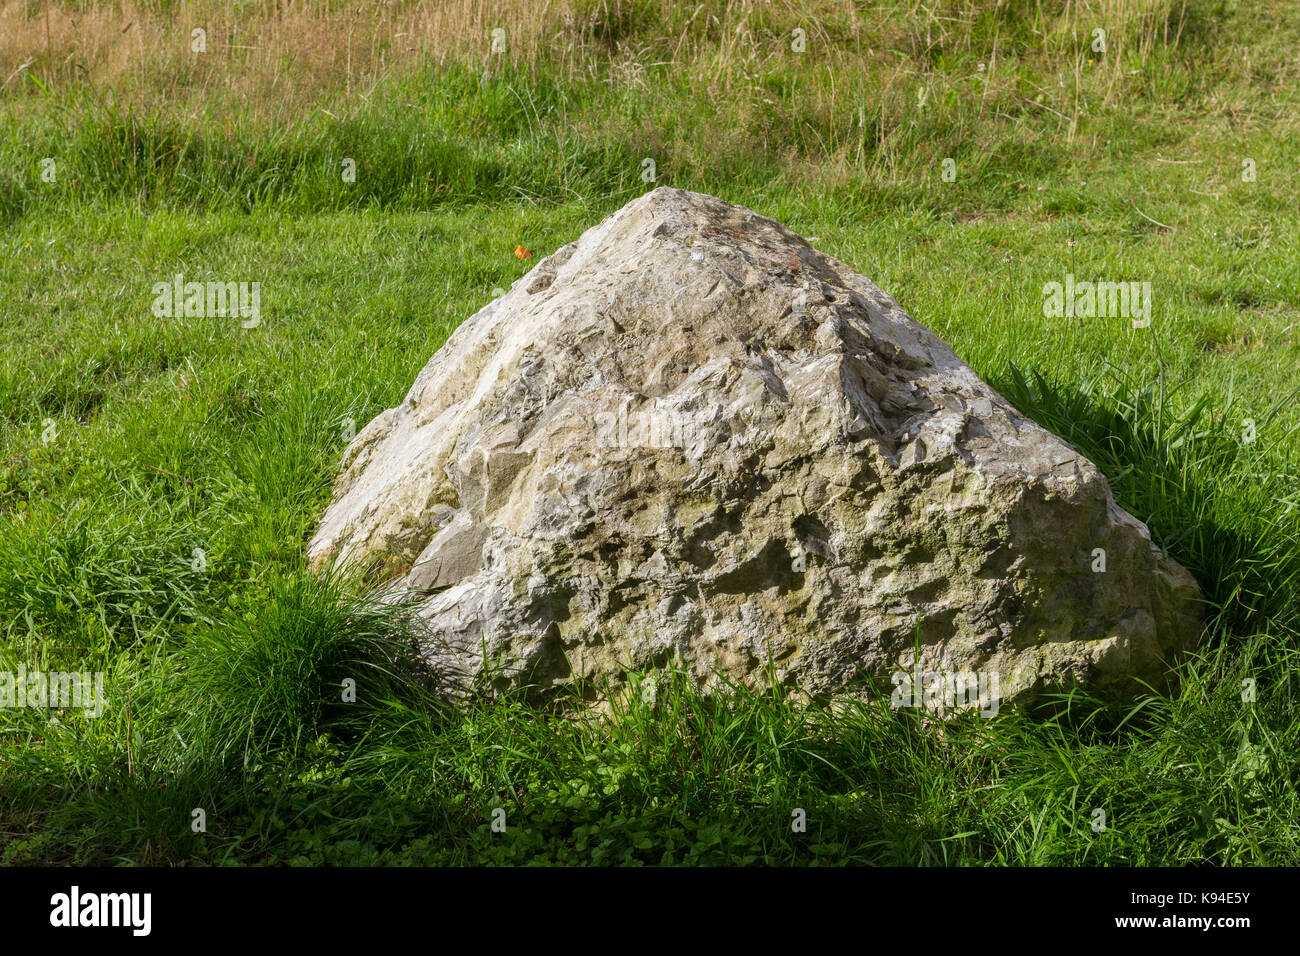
(224, 670)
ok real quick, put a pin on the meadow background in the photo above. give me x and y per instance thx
(128, 441)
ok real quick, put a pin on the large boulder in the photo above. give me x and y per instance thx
(691, 438)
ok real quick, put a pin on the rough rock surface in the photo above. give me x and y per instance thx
(690, 437)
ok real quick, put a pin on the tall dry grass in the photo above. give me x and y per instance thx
(291, 50)
(842, 93)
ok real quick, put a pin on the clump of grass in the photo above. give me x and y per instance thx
(291, 668)
(278, 671)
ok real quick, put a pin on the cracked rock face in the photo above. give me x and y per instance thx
(691, 438)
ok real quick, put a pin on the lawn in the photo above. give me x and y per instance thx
(159, 477)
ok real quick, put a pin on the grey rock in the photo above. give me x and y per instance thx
(691, 438)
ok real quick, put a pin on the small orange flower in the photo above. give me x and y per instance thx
(522, 253)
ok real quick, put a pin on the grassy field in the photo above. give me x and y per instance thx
(159, 477)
